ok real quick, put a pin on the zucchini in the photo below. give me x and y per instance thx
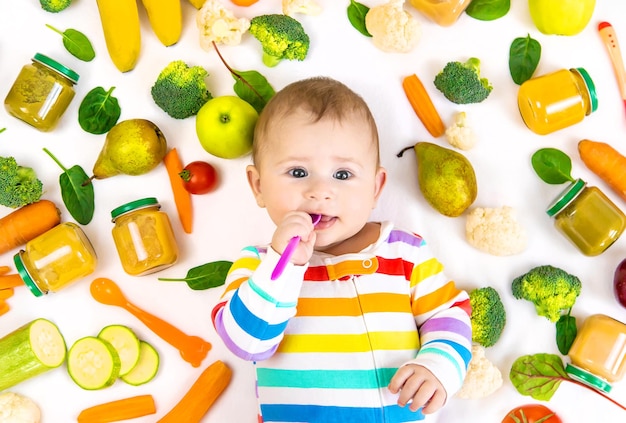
(34, 348)
(125, 343)
(146, 368)
(93, 363)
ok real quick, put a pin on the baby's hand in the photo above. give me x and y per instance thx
(418, 384)
(295, 223)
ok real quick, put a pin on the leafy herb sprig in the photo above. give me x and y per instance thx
(208, 275)
(76, 43)
(524, 56)
(552, 165)
(488, 10)
(99, 111)
(356, 15)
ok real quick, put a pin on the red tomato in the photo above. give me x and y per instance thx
(531, 413)
(199, 177)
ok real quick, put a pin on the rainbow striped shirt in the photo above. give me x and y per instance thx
(327, 338)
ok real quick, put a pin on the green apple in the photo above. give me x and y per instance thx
(225, 126)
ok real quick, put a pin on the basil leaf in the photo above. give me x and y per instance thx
(565, 332)
(552, 165)
(99, 111)
(76, 191)
(524, 56)
(208, 275)
(76, 43)
(252, 87)
(538, 375)
(356, 16)
(488, 10)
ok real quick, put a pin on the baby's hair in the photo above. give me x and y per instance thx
(321, 97)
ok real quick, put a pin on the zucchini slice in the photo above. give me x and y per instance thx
(125, 343)
(146, 368)
(34, 348)
(93, 363)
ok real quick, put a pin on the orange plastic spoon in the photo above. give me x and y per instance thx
(193, 349)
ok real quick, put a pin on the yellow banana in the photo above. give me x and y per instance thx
(166, 19)
(120, 23)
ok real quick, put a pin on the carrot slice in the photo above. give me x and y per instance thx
(423, 105)
(182, 197)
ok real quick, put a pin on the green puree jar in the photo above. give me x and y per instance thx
(41, 92)
(587, 217)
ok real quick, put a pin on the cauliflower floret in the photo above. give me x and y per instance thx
(305, 7)
(16, 408)
(483, 377)
(460, 134)
(495, 231)
(392, 28)
(216, 23)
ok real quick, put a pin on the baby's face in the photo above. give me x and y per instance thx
(326, 168)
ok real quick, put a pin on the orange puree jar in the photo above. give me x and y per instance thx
(442, 12)
(598, 354)
(556, 100)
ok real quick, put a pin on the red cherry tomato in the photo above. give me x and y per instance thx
(199, 177)
(531, 413)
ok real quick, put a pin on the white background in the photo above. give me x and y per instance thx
(228, 219)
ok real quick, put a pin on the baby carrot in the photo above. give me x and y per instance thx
(4, 270)
(606, 162)
(4, 307)
(182, 198)
(6, 293)
(123, 409)
(423, 105)
(26, 223)
(10, 281)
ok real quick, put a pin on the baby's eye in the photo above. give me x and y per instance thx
(342, 174)
(298, 172)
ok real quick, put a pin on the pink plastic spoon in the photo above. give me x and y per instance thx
(291, 247)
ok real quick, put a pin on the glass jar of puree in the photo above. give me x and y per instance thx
(557, 100)
(598, 354)
(143, 237)
(55, 259)
(587, 217)
(41, 92)
(442, 12)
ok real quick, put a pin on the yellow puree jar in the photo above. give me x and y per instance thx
(587, 217)
(442, 12)
(41, 92)
(557, 100)
(598, 354)
(55, 259)
(143, 237)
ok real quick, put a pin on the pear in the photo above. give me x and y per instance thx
(131, 147)
(446, 178)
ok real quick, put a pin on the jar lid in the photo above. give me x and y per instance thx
(133, 205)
(566, 197)
(591, 87)
(56, 66)
(588, 378)
(21, 270)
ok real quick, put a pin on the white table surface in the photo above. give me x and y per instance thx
(228, 219)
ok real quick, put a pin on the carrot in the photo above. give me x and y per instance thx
(26, 223)
(6, 293)
(423, 105)
(182, 197)
(4, 270)
(201, 396)
(10, 281)
(4, 307)
(244, 2)
(606, 162)
(114, 411)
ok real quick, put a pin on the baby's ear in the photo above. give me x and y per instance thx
(381, 180)
(254, 180)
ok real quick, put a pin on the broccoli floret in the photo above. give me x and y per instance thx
(281, 36)
(551, 289)
(54, 6)
(488, 316)
(181, 90)
(461, 82)
(19, 185)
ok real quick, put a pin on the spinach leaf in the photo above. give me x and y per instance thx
(524, 56)
(77, 195)
(76, 43)
(552, 165)
(99, 111)
(565, 332)
(538, 375)
(208, 275)
(356, 16)
(488, 10)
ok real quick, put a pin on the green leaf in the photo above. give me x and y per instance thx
(99, 111)
(76, 191)
(356, 16)
(208, 275)
(524, 56)
(253, 87)
(552, 165)
(565, 333)
(76, 43)
(538, 375)
(488, 10)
